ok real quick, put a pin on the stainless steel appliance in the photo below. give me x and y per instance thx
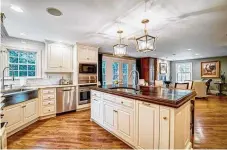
(66, 99)
(88, 68)
(85, 94)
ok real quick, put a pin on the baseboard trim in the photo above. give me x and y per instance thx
(47, 117)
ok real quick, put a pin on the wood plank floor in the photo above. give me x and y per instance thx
(74, 130)
(211, 123)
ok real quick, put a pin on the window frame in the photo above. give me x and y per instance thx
(38, 61)
(180, 63)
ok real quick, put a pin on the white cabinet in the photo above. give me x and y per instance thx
(96, 110)
(20, 114)
(109, 115)
(147, 125)
(87, 54)
(164, 139)
(14, 115)
(59, 58)
(125, 124)
(30, 110)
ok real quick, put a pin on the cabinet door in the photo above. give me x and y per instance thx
(92, 55)
(96, 110)
(14, 116)
(30, 111)
(109, 115)
(54, 56)
(82, 54)
(147, 125)
(67, 59)
(164, 139)
(125, 124)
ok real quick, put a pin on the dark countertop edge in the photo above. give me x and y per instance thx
(155, 100)
(10, 104)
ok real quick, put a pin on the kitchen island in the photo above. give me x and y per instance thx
(146, 117)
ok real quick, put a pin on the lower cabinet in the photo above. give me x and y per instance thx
(96, 110)
(109, 116)
(20, 114)
(147, 125)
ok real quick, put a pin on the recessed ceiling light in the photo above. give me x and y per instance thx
(196, 54)
(189, 49)
(23, 34)
(23, 42)
(16, 8)
(54, 11)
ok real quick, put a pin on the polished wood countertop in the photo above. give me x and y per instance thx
(157, 95)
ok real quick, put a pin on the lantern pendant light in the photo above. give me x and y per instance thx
(145, 43)
(120, 49)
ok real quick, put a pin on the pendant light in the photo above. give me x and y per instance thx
(146, 42)
(120, 49)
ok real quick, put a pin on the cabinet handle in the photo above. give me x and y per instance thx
(122, 102)
(48, 103)
(147, 104)
(115, 111)
(165, 118)
(94, 99)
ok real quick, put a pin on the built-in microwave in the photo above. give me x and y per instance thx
(88, 68)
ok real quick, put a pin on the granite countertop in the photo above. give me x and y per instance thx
(158, 95)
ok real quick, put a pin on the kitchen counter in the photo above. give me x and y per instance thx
(51, 86)
(163, 96)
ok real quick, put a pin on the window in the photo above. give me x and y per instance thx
(22, 63)
(103, 73)
(183, 71)
(115, 69)
(125, 73)
(133, 75)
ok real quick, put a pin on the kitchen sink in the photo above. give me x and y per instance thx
(16, 91)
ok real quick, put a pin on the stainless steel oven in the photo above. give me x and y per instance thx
(85, 94)
(88, 68)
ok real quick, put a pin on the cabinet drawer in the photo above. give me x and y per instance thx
(48, 96)
(96, 94)
(109, 97)
(125, 102)
(48, 91)
(49, 102)
(48, 109)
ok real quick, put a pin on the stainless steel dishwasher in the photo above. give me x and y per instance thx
(66, 99)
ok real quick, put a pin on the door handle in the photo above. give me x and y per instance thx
(146, 104)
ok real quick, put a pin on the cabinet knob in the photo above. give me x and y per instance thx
(115, 111)
(122, 102)
(165, 118)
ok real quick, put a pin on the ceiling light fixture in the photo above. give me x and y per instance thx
(196, 54)
(120, 49)
(146, 42)
(16, 8)
(189, 49)
(54, 11)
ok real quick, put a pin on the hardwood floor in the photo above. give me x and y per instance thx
(74, 130)
(211, 123)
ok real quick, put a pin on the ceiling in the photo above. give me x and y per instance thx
(179, 25)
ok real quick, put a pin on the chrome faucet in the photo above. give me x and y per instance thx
(3, 78)
(138, 76)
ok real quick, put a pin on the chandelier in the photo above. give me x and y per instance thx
(120, 49)
(146, 42)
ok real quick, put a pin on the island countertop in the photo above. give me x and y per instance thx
(158, 95)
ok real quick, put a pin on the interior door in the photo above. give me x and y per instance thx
(30, 111)
(148, 126)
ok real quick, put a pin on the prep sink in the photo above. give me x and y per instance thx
(15, 96)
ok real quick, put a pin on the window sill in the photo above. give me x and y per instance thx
(18, 78)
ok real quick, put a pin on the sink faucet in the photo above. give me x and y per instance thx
(138, 76)
(3, 78)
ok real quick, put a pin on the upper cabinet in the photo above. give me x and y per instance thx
(87, 54)
(59, 58)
